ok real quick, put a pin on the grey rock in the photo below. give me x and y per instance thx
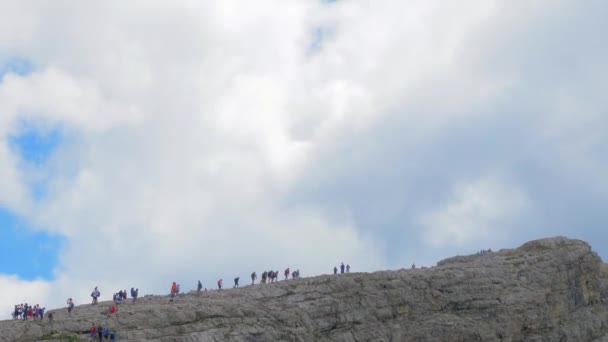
(546, 290)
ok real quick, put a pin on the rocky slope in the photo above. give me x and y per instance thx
(546, 290)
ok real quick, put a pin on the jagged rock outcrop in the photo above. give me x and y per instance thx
(546, 290)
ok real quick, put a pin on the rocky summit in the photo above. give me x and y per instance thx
(546, 290)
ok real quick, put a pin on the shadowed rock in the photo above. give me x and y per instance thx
(546, 290)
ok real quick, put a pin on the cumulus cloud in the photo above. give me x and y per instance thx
(474, 212)
(207, 140)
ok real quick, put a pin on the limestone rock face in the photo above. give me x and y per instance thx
(546, 290)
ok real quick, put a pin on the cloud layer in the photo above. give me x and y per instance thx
(210, 140)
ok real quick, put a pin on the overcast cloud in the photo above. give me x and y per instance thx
(203, 140)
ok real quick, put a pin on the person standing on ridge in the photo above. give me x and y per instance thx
(286, 273)
(254, 276)
(199, 287)
(264, 275)
(173, 290)
(236, 282)
(95, 294)
(335, 270)
(348, 268)
(219, 284)
(342, 268)
(70, 305)
(134, 295)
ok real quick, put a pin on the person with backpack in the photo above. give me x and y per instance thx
(113, 336)
(236, 282)
(348, 268)
(70, 303)
(134, 295)
(342, 268)
(286, 273)
(95, 294)
(173, 290)
(199, 287)
(219, 284)
(254, 276)
(100, 332)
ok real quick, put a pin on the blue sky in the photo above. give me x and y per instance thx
(35, 146)
(19, 66)
(26, 253)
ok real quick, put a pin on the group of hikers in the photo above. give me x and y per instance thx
(101, 332)
(342, 268)
(267, 277)
(28, 313)
(484, 251)
(118, 298)
(270, 276)
(121, 296)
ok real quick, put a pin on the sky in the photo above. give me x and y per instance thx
(143, 143)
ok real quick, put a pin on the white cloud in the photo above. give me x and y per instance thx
(475, 211)
(191, 125)
(13, 193)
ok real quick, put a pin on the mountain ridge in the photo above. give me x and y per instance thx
(553, 289)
